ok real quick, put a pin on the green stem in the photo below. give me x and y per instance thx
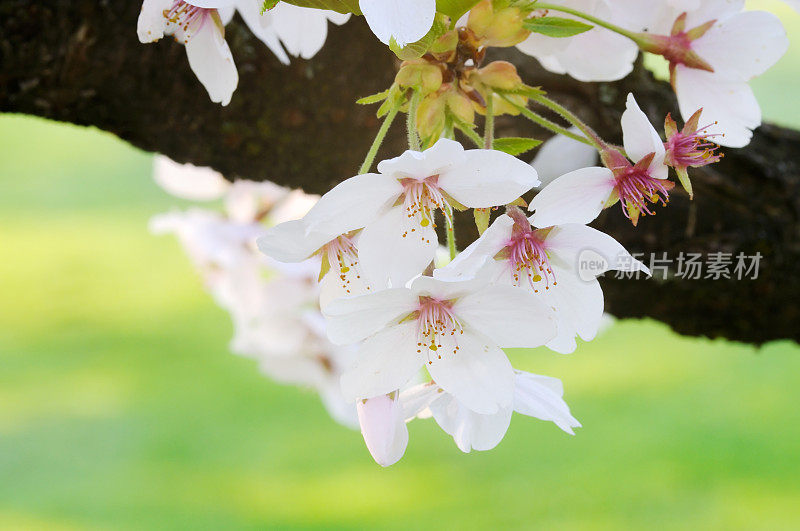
(488, 131)
(593, 138)
(449, 129)
(411, 122)
(451, 235)
(580, 14)
(547, 124)
(376, 144)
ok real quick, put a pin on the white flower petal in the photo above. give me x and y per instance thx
(470, 430)
(265, 27)
(353, 203)
(386, 362)
(416, 399)
(509, 317)
(486, 178)
(445, 290)
(188, 181)
(332, 287)
(352, 319)
(151, 24)
(579, 309)
(289, 243)
(731, 105)
(390, 251)
(479, 375)
(573, 241)
(577, 197)
(404, 21)
(421, 164)
(211, 4)
(471, 260)
(336, 17)
(384, 428)
(302, 30)
(561, 155)
(640, 138)
(538, 396)
(743, 46)
(212, 62)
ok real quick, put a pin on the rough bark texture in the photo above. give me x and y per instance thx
(80, 61)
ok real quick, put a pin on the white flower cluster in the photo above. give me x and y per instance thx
(273, 306)
(351, 296)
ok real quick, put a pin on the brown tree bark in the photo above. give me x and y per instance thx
(79, 61)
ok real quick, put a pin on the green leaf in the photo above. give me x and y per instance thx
(268, 4)
(415, 50)
(454, 8)
(514, 145)
(374, 98)
(556, 26)
(342, 6)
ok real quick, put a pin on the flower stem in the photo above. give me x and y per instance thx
(580, 14)
(488, 130)
(376, 144)
(547, 124)
(451, 235)
(411, 121)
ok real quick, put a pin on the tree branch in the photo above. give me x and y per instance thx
(80, 61)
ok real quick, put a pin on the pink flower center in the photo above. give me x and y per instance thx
(187, 19)
(342, 256)
(527, 257)
(421, 199)
(637, 190)
(691, 150)
(437, 327)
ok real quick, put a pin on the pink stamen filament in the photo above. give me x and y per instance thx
(435, 320)
(186, 16)
(694, 150)
(421, 199)
(528, 257)
(638, 188)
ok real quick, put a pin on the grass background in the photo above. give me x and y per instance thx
(121, 407)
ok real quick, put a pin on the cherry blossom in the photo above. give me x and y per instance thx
(689, 147)
(198, 26)
(580, 196)
(454, 329)
(595, 55)
(396, 206)
(714, 49)
(546, 261)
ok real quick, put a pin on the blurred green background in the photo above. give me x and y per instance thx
(120, 406)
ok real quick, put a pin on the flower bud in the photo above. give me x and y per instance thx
(460, 106)
(500, 75)
(421, 75)
(431, 116)
(383, 427)
(497, 27)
